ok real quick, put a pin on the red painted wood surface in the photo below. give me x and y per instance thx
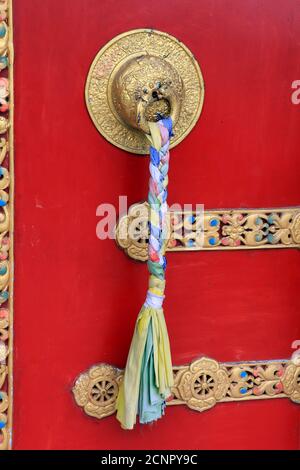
(76, 297)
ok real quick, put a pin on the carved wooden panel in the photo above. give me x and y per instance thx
(222, 229)
(6, 222)
(199, 385)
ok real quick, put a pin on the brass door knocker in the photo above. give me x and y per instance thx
(138, 76)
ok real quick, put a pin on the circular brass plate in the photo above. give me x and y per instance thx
(100, 77)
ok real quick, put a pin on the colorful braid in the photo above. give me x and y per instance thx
(148, 375)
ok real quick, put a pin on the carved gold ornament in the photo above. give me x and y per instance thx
(212, 230)
(291, 382)
(135, 77)
(96, 390)
(199, 386)
(6, 222)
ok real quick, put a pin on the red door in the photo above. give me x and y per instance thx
(77, 297)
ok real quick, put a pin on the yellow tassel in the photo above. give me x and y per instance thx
(127, 401)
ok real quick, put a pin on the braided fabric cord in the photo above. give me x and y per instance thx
(157, 198)
(148, 374)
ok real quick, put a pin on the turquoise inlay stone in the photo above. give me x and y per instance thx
(270, 238)
(190, 242)
(2, 424)
(2, 31)
(258, 221)
(4, 295)
(243, 374)
(213, 222)
(1, 171)
(3, 270)
(271, 219)
(258, 237)
(192, 219)
(212, 241)
(4, 61)
(2, 203)
(243, 390)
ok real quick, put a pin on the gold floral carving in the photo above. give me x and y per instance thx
(295, 229)
(6, 222)
(132, 232)
(96, 390)
(212, 230)
(199, 386)
(131, 46)
(291, 382)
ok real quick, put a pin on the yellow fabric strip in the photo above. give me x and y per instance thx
(155, 137)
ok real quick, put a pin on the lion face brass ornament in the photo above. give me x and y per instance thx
(141, 76)
(144, 88)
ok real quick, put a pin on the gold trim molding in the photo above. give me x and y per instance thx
(200, 385)
(214, 230)
(6, 222)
